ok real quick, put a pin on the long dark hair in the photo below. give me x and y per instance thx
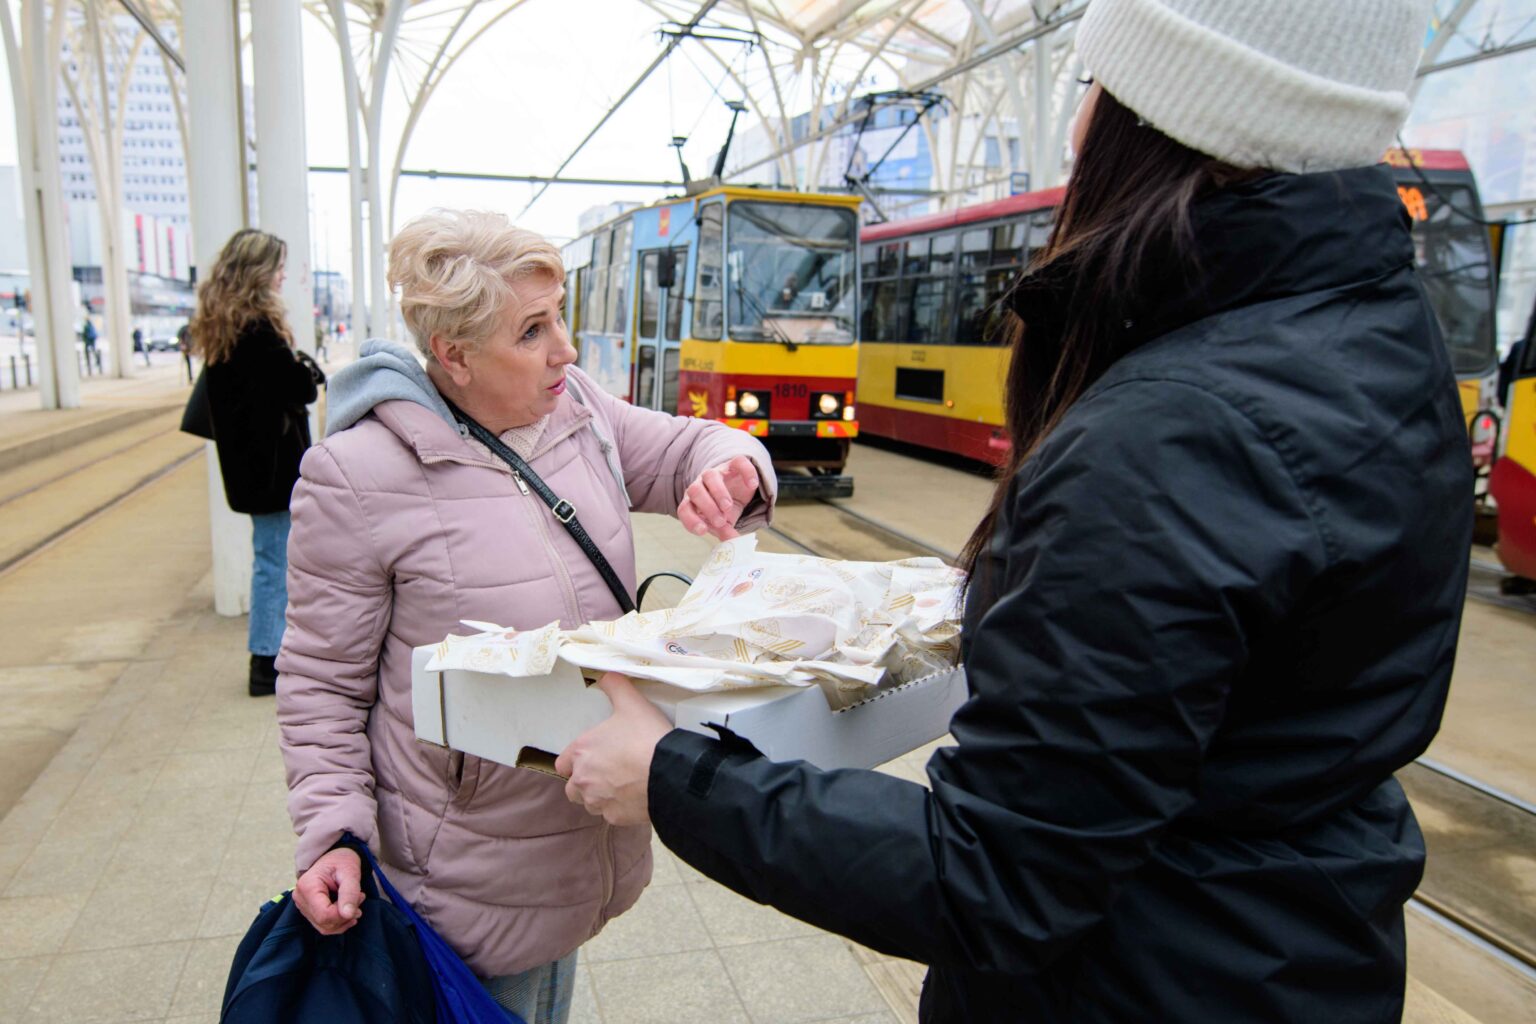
(1123, 237)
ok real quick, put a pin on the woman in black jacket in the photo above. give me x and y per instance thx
(258, 388)
(1215, 602)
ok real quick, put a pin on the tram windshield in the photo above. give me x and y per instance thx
(1456, 266)
(791, 273)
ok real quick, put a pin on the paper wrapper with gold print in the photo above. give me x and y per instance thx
(753, 618)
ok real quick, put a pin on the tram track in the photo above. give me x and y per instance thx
(1484, 586)
(827, 529)
(1479, 839)
(154, 469)
(1452, 802)
(33, 487)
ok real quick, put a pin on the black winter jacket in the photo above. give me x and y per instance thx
(257, 398)
(1228, 592)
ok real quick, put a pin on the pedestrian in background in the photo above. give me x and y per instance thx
(138, 344)
(184, 346)
(88, 335)
(1215, 602)
(259, 385)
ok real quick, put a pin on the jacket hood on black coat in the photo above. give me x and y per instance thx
(1279, 235)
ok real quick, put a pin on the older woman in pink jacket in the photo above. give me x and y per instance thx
(403, 525)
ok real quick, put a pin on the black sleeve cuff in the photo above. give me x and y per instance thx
(683, 772)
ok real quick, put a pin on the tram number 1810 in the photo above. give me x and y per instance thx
(789, 389)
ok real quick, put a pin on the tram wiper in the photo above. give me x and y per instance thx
(756, 309)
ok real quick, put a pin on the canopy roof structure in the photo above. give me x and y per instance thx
(919, 105)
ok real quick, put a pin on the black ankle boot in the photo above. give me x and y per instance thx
(263, 675)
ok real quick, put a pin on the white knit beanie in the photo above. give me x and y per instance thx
(1291, 85)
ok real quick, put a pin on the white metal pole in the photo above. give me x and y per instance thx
(1047, 164)
(51, 277)
(117, 320)
(37, 250)
(359, 324)
(282, 171)
(378, 291)
(215, 178)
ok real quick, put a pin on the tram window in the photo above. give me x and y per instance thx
(1040, 227)
(918, 385)
(645, 375)
(675, 297)
(889, 259)
(650, 297)
(792, 269)
(618, 279)
(926, 303)
(708, 293)
(942, 257)
(879, 311)
(916, 261)
(595, 302)
(999, 280)
(1008, 243)
(971, 304)
(580, 277)
(973, 249)
(1455, 265)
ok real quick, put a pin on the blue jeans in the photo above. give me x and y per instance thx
(539, 995)
(269, 582)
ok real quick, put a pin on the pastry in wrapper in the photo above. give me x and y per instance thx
(754, 618)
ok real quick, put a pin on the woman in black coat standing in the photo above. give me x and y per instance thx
(1214, 604)
(259, 385)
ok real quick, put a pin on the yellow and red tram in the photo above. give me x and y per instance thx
(734, 304)
(1513, 480)
(931, 370)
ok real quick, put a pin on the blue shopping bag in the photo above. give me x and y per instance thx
(286, 971)
(461, 999)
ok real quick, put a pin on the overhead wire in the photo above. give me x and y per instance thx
(714, 93)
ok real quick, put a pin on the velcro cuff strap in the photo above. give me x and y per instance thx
(702, 779)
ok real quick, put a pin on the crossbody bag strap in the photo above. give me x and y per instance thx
(562, 510)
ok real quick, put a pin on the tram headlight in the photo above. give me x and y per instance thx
(730, 408)
(848, 413)
(828, 404)
(749, 403)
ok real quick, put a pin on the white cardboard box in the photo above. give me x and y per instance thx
(525, 721)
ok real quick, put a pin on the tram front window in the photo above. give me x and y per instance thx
(1453, 258)
(791, 273)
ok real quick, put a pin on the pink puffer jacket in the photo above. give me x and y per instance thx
(401, 528)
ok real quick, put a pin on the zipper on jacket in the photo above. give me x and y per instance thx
(520, 484)
(605, 867)
(564, 576)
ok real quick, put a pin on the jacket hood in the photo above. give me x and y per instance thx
(1276, 236)
(383, 372)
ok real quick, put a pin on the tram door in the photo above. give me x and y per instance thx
(658, 341)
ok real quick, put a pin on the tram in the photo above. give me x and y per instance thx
(931, 370)
(733, 304)
(1513, 480)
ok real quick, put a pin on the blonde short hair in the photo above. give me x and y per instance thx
(455, 269)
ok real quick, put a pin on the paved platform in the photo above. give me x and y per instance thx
(145, 817)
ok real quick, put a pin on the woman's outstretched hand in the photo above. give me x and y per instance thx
(714, 501)
(330, 893)
(609, 765)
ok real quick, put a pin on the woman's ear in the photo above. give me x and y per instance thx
(450, 355)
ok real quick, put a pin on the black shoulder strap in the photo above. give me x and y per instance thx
(561, 509)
